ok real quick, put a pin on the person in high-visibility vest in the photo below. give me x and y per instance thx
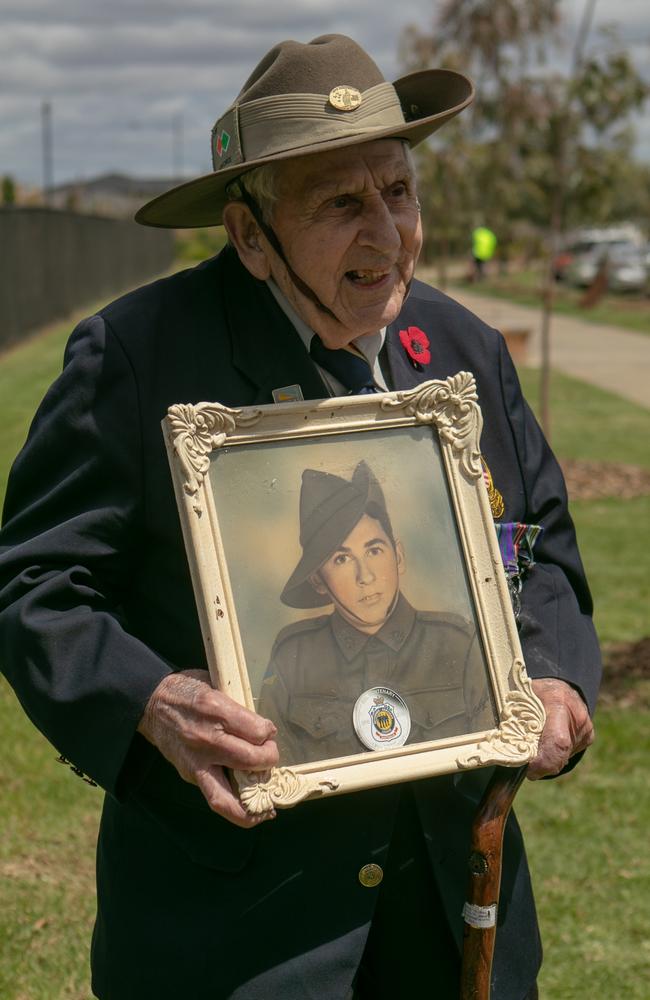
(484, 244)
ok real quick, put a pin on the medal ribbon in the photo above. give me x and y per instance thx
(516, 544)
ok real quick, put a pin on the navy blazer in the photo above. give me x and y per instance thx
(96, 607)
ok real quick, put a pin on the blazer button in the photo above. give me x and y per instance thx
(370, 876)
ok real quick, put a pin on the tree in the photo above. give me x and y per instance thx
(8, 190)
(527, 149)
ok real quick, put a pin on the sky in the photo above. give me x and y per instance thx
(136, 85)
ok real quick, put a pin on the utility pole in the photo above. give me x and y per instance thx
(177, 146)
(46, 144)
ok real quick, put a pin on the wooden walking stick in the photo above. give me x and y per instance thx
(480, 911)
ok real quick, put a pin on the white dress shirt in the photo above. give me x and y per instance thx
(369, 345)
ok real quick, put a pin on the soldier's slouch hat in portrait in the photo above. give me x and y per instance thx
(330, 507)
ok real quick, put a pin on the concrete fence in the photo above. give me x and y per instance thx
(52, 262)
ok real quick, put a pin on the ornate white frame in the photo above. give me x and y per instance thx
(193, 432)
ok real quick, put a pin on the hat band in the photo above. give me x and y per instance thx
(273, 125)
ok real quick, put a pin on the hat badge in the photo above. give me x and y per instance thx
(345, 98)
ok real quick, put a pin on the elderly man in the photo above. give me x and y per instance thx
(314, 182)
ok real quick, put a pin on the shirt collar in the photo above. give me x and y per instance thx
(370, 344)
(393, 633)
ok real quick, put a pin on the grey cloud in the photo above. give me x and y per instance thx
(118, 71)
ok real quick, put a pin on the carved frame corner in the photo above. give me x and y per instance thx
(452, 405)
(279, 788)
(197, 429)
(521, 723)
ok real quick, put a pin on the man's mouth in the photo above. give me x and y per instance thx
(366, 277)
(370, 599)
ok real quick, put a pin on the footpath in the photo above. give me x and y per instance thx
(609, 357)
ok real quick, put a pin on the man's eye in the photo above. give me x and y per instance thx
(343, 201)
(376, 550)
(398, 190)
(340, 559)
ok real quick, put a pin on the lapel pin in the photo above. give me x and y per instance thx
(287, 394)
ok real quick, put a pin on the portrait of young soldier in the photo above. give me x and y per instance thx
(412, 675)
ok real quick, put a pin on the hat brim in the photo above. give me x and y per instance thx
(429, 99)
(298, 591)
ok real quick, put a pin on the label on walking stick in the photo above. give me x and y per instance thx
(480, 916)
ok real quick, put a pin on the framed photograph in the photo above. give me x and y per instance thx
(349, 586)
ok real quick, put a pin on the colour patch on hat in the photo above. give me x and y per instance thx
(222, 143)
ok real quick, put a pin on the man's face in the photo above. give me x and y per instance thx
(349, 225)
(362, 576)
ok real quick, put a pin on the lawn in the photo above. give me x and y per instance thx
(586, 833)
(586, 836)
(47, 903)
(589, 423)
(628, 310)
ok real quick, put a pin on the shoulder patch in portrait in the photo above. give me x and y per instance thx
(301, 627)
(445, 618)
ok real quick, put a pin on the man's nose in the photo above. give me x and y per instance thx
(378, 228)
(365, 574)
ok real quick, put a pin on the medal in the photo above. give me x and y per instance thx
(381, 719)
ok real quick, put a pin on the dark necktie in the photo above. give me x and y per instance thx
(352, 371)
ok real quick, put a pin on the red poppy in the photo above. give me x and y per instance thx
(416, 344)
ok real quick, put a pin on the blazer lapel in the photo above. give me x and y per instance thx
(266, 348)
(402, 373)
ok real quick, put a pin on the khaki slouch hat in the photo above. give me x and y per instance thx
(305, 98)
(330, 507)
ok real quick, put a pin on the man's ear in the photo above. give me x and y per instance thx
(247, 240)
(317, 584)
(401, 558)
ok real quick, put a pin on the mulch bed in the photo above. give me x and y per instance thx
(597, 480)
(626, 675)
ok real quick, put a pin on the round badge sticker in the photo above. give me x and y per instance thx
(381, 719)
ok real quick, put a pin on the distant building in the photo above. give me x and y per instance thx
(115, 195)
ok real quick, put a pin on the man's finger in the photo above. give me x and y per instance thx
(217, 792)
(557, 746)
(567, 731)
(235, 718)
(238, 754)
(249, 726)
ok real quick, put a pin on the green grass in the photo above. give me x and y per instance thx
(586, 837)
(590, 423)
(47, 897)
(26, 371)
(613, 537)
(631, 311)
(586, 833)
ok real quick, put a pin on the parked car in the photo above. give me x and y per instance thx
(627, 270)
(566, 258)
(582, 269)
(592, 238)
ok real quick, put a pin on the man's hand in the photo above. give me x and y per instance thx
(568, 728)
(201, 731)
